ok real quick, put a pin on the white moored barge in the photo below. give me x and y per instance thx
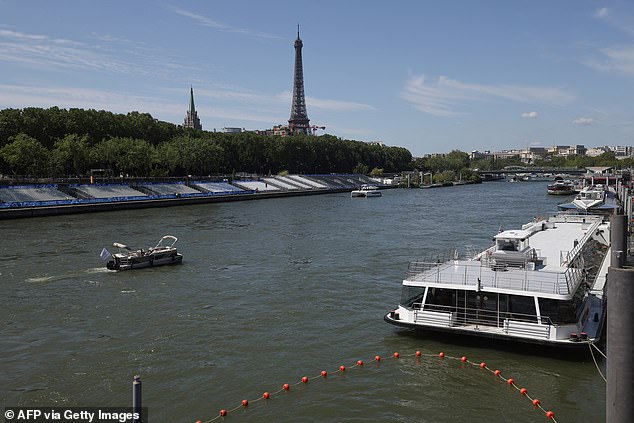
(541, 284)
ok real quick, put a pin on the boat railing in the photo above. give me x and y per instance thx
(572, 254)
(481, 275)
(517, 324)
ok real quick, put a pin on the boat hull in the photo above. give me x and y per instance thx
(140, 263)
(491, 335)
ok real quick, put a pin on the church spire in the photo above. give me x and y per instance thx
(192, 108)
(191, 118)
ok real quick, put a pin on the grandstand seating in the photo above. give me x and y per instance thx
(277, 182)
(108, 191)
(256, 186)
(169, 188)
(308, 181)
(26, 194)
(218, 187)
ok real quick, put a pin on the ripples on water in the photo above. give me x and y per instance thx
(269, 291)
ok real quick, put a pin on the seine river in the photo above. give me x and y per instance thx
(269, 291)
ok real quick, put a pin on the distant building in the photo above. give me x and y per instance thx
(191, 119)
(594, 152)
(477, 155)
(231, 130)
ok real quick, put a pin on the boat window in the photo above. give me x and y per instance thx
(441, 297)
(507, 245)
(559, 312)
(411, 295)
(522, 308)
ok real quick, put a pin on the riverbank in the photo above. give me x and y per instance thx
(37, 200)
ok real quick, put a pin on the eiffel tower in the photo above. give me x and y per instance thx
(298, 123)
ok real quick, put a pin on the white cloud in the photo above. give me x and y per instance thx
(442, 96)
(210, 23)
(44, 51)
(530, 115)
(618, 60)
(583, 121)
(326, 104)
(601, 13)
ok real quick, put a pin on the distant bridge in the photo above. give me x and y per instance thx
(512, 170)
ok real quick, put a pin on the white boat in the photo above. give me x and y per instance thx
(541, 284)
(366, 191)
(162, 253)
(562, 187)
(591, 199)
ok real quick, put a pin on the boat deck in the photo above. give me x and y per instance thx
(550, 276)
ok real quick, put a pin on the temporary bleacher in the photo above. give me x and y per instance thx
(109, 191)
(21, 194)
(292, 181)
(307, 181)
(280, 183)
(170, 188)
(256, 185)
(218, 187)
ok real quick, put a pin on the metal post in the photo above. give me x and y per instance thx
(136, 398)
(620, 325)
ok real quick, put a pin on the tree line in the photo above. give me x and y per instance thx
(57, 142)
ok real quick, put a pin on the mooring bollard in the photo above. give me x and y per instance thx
(136, 398)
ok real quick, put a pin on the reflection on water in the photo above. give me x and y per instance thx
(269, 291)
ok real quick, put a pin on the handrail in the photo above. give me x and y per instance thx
(468, 316)
(474, 272)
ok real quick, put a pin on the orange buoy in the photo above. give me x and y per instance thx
(360, 363)
(396, 355)
(483, 365)
(286, 387)
(418, 353)
(342, 368)
(377, 358)
(199, 421)
(536, 402)
(245, 403)
(441, 355)
(304, 379)
(266, 395)
(497, 372)
(463, 359)
(550, 415)
(523, 391)
(223, 412)
(510, 381)
(324, 373)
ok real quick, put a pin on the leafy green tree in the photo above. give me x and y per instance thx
(25, 155)
(70, 156)
(376, 172)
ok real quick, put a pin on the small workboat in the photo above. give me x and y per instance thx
(128, 258)
(366, 191)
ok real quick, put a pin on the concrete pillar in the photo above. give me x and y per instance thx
(620, 344)
(618, 240)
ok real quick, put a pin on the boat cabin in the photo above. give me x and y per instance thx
(512, 249)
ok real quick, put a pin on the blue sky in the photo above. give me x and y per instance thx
(431, 76)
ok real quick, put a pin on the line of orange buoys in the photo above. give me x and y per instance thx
(305, 379)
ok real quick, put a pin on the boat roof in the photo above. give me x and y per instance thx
(557, 242)
(513, 234)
